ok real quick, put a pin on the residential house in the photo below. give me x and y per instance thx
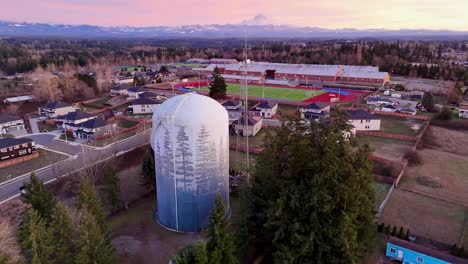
(11, 148)
(144, 105)
(249, 128)
(265, 109)
(232, 105)
(463, 111)
(118, 90)
(378, 101)
(388, 108)
(94, 128)
(9, 123)
(408, 110)
(412, 253)
(416, 95)
(71, 120)
(54, 109)
(363, 120)
(124, 80)
(315, 111)
(134, 92)
(19, 99)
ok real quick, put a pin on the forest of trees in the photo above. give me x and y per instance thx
(396, 57)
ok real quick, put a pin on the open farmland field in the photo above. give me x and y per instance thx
(443, 175)
(425, 216)
(448, 140)
(390, 149)
(273, 93)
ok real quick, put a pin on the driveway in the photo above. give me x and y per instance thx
(33, 124)
(42, 139)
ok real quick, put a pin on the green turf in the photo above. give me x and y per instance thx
(280, 94)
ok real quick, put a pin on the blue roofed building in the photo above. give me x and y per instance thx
(315, 111)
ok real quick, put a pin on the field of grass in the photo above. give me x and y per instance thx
(400, 126)
(123, 123)
(238, 162)
(391, 149)
(381, 190)
(45, 158)
(273, 93)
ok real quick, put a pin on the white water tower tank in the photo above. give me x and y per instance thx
(190, 139)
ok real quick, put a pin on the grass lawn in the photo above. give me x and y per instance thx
(273, 93)
(254, 142)
(121, 107)
(107, 141)
(238, 162)
(44, 127)
(101, 102)
(381, 190)
(89, 109)
(45, 158)
(400, 126)
(391, 149)
(6, 136)
(123, 123)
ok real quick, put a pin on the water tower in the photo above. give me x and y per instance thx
(190, 140)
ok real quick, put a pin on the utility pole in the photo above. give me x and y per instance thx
(245, 97)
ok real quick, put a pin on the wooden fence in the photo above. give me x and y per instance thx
(401, 115)
(387, 135)
(15, 161)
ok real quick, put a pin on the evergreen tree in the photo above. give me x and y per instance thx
(394, 231)
(217, 86)
(193, 254)
(94, 246)
(407, 235)
(400, 233)
(112, 189)
(148, 170)
(314, 204)
(88, 199)
(220, 247)
(36, 194)
(428, 102)
(62, 235)
(36, 239)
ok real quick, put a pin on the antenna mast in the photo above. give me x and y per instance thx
(245, 98)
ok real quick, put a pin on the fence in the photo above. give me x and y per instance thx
(401, 115)
(141, 124)
(15, 161)
(387, 135)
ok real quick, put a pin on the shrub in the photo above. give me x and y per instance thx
(394, 231)
(380, 227)
(400, 233)
(454, 249)
(445, 114)
(407, 235)
(387, 230)
(413, 157)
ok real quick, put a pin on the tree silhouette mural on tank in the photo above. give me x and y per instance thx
(169, 189)
(184, 178)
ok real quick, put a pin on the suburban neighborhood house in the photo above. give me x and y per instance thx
(144, 105)
(266, 109)
(134, 92)
(315, 111)
(408, 253)
(363, 120)
(463, 111)
(378, 101)
(12, 148)
(55, 109)
(249, 128)
(9, 123)
(72, 120)
(232, 105)
(94, 128)
(118, 90)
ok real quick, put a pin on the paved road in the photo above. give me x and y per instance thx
(82, 156)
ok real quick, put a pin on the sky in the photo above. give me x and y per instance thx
(360, 14)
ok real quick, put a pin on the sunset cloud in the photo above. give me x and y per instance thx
(361, 14)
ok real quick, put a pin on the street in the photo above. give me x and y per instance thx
(82, 157)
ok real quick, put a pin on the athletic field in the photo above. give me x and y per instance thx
(272, 93)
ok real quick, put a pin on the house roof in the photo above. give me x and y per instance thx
(148, 94)
(231, 103)
(136, 89)
(250, 121)
(378, 99)
(56, 104)
(145, 101)
(118, 88)
(389, 106)
(93, 123)
(316, 106)
(427, 251)
(107, 114)
(360, 115)
(77, 115)
(8, 118)
(10, 142)
(267, 104)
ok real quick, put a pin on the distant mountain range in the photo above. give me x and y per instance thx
(217, 31)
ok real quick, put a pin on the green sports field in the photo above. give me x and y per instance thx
(280, 94)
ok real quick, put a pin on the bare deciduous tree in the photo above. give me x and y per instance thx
(8, 243)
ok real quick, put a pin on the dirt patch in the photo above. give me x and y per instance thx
(453, 141)
(425, 216)
(440, 174)
(13, 210)
(432, 182)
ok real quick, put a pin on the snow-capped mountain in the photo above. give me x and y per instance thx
(213, 31)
